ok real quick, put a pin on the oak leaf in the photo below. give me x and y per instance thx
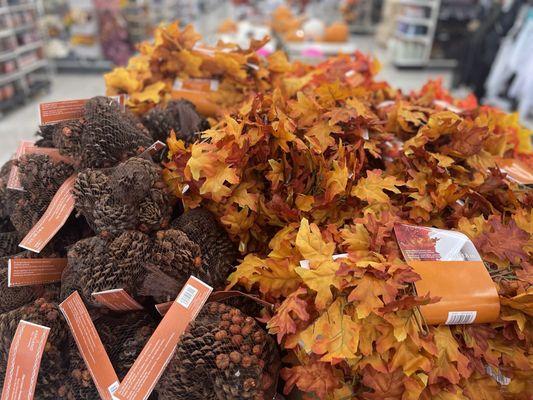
(283, 323)
(318, 378)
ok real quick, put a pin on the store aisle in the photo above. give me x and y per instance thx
(22, 123)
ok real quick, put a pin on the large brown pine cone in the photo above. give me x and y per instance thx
(109, 135)
(41, 177)
(66, 136)
(130, 196)
(224, 355)
(218, 252)
(96, 264)
(179, 116)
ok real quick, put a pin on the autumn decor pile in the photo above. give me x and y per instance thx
(314, 161)
(290, 192)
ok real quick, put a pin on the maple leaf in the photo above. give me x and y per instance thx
(482, 387)
(217, 174)
(336, 181)
(276, 278)
(334, 335)
(356, 238)
(320, 279)
(506, 242)
(385, 386)
(319, 135)
(329, 93)
(371, 189)
(451, 364)
(122, 81)
(318, 378)
(282, 323)
(522, 302)
(367, 292)
(244, 198)
(310, 244)
(305, 109)
(150, 93)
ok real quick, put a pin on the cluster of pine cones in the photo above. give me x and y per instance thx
(127, 233)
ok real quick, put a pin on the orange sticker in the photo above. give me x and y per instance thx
(90, 346)
(53, 218)
(24, 360)
(516, 170)
(57, 111)
(13, 181)
(148, 367)
(117, 300)
(34, 271)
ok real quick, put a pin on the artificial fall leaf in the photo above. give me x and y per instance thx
(371, 294)
(336, 181)
(273, 278)
(320, 279)
(371, 189)
(522, 302)
(356, 238)
(334, 335)
(450, 364)
(310, 244)
(283, 323)
(506, 242)
(317, 377)
(151, 93)
(319, 135)
(482, 387)
(215, 181)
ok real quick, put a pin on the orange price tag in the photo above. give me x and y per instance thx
(34, 271)
(23, 362)
(53, 219)
(117, 300)
(90, 346)
(148, 367)
(57, 111)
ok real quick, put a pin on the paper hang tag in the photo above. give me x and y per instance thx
(34, 271)
(90, 346)
(53, 219)
(24, 360)
(156, 354)
(117, 300)
(58, 111)
(13, 181)
(516, 170)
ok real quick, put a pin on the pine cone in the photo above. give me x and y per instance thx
(177, 256)
(97, 264)
(40, 177)
(77, 383)
(45, 313)
(109, 136)
(129, 196)
(67, 135)
(5, 223)
(218, 252)
(178, 115)
(9, 243)
(223, 355)
(45, 136)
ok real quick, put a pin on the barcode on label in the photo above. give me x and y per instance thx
(113, 387)
(497, 375)
(187, 295)
(461, 317)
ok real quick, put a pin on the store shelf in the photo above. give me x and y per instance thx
(415, 20)
(22, 7)
(412, 38)
(6, 32)
(420, 3)
(23, 71)
(24, 27)
(29, 47)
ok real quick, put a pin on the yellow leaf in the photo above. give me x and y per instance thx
(334, 335)
(336, 181)
(215, 179)
(310, 244)
(320, 279)
(274, 277)
(304, 203)
(243, 197)
(319, 136)
(371, 188)
(356, 237)
(150, 93)
(122, 81)
(202, 155)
